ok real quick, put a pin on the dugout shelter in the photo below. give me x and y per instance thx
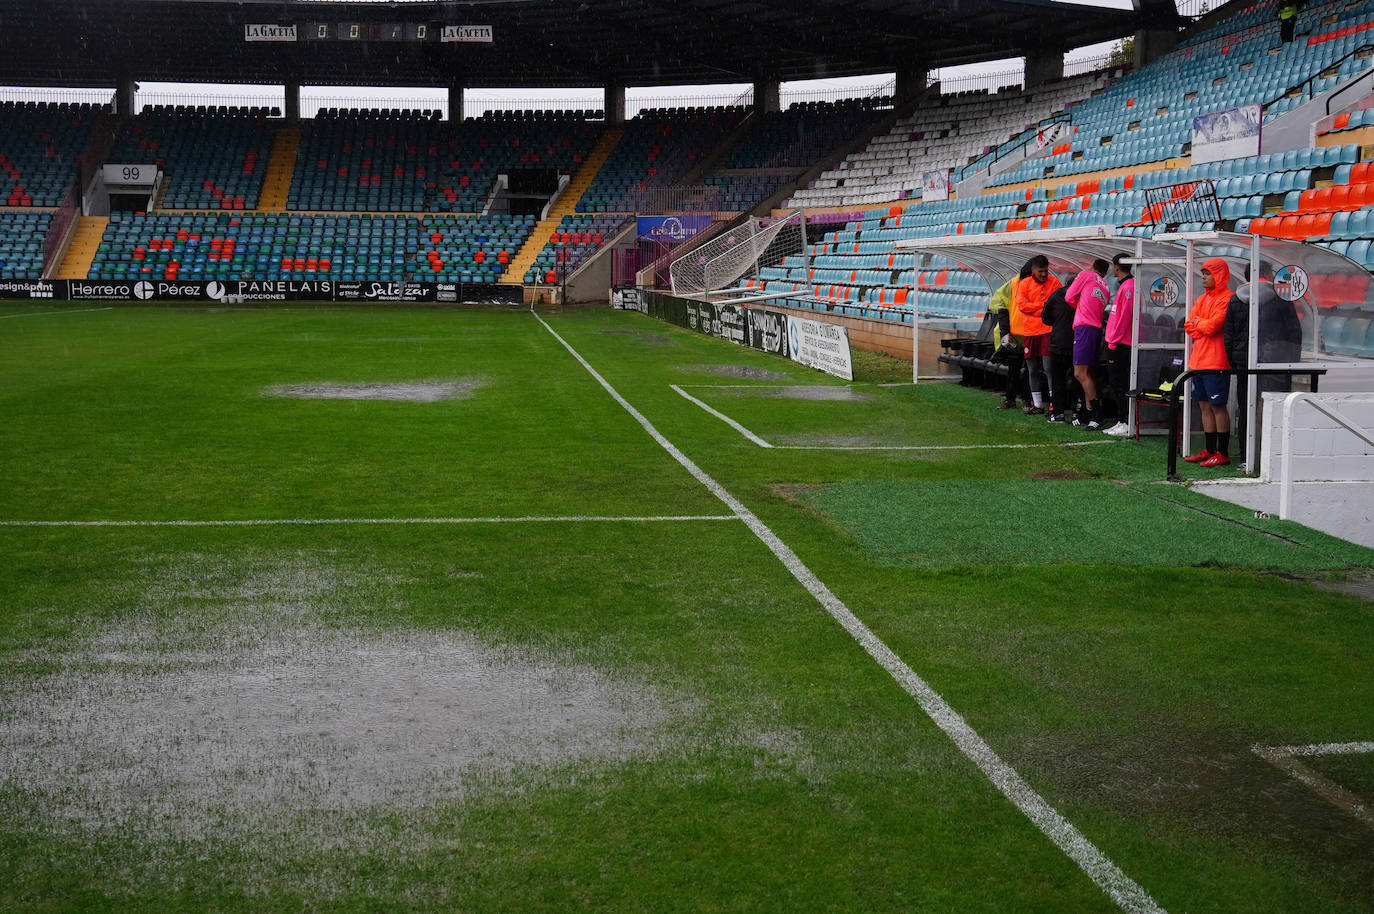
(1329, 292)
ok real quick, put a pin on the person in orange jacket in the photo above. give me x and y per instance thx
(1211, 391)
(1027, 305)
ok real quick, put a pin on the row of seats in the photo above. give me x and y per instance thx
(440, 247)
(21, 243)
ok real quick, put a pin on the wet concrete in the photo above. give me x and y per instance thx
(1341, 509)
(1359, 586)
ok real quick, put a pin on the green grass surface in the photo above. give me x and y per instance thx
(276, 717)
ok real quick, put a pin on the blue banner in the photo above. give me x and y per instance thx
(672, 228)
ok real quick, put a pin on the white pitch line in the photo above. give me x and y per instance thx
(1127, 894)
(63, 311)
(722, 417)
(341, 521)
(866, 447)
(1318, 749)
(936, 447)
(1285, 758)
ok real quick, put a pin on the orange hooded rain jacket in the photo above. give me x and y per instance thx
(1205, 320)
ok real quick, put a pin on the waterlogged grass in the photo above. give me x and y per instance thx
(627, 715)
(1354, 773)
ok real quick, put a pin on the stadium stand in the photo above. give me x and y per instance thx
(211, 158)
(407, 162)
(658, 148)
(1121, 138)
(780, 146)
(41, 149)
(1109, 138)
(945, 132)
(1145, 119)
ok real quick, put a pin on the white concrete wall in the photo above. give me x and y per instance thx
(1323, 450)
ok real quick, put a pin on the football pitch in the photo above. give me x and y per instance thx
(422, 610)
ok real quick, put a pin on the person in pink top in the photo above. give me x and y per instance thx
(1119, 342)
(1088, 296)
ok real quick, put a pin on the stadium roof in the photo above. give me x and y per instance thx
(534, 42)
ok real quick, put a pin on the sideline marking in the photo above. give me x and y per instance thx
(1127, 894)
(310, 522)
(65, 311)
(864, 447)
(1285, 758)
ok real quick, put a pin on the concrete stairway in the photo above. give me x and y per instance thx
(281, 164)
(85, 241)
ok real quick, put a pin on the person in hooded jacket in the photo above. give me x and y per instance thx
(1205, 323)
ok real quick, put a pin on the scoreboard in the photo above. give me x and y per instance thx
(369, 31)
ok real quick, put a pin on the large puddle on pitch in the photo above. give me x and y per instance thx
(410, 391)
(241, 698)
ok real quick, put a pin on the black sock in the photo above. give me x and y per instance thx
(1224, 444)
(1095, 411)
(1211, 441)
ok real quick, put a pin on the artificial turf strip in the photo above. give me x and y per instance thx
(792, 773)
(1055, 522)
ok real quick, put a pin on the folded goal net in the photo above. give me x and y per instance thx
(745, 249)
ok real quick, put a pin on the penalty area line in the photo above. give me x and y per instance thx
(1124, 891)
(864, 447)
(366, 521)
(1285, 758)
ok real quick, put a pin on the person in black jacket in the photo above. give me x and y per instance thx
(1280, 340)
(1010, 349)
(1059, 316)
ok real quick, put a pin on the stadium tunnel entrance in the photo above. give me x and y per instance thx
(1331, 294)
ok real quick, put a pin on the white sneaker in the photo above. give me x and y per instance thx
(1119, 430)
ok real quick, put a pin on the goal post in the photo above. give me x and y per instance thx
(753, 246)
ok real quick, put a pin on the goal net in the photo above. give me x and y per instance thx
(747, 248)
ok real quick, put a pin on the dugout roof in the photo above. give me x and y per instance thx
(564, 43)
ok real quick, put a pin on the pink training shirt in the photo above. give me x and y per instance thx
(1119, 324)
(1088, 296)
